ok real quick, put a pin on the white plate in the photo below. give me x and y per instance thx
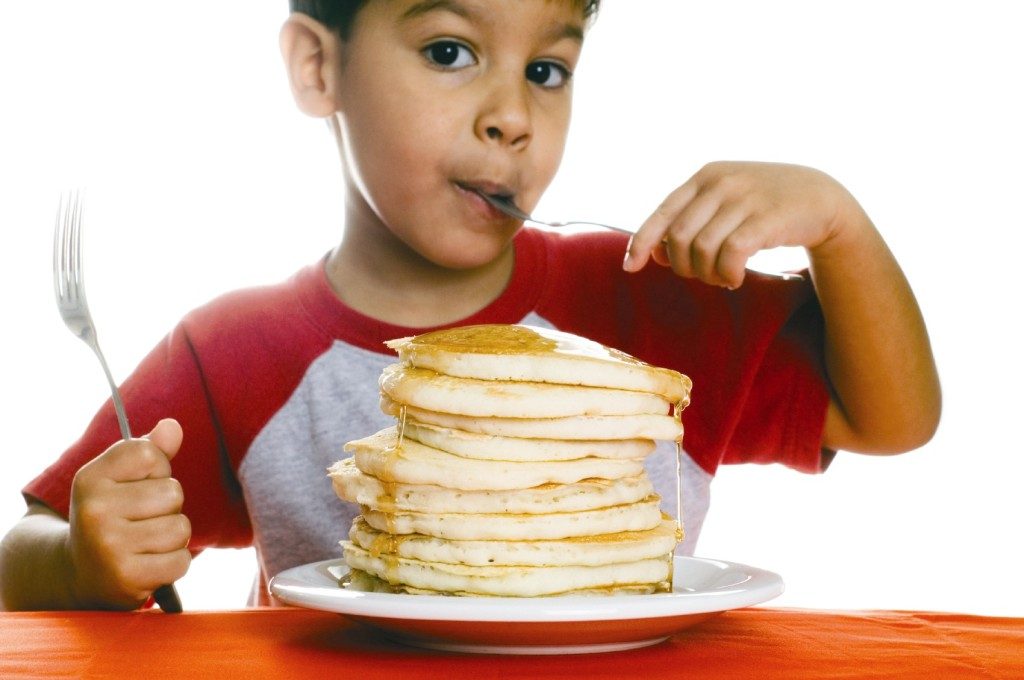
(546, 625)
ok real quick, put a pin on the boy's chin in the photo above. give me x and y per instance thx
(476, 255)
(463, 264)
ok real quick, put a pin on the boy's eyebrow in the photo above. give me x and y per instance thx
(421, 8)
(571, 31)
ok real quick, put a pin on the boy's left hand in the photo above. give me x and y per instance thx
(710, 226)
(878, 360)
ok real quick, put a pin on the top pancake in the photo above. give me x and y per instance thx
(426, 389)
(533, 354)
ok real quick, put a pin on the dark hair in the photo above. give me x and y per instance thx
(338, 15)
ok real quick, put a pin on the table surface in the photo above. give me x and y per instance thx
(289, 642)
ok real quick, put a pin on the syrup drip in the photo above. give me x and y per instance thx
(386, 501)
(386, 545)
(400, 439)
(401, 426)
(677, 411)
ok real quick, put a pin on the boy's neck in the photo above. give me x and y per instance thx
(378, 275)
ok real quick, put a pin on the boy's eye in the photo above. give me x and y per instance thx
(547, 74)
(449, 54)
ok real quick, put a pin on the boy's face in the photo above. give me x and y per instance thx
(438, 100)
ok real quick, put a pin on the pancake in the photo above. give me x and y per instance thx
(585, 550)
(640, 426)
(494, 447)
(516, 468)
(358, 579)
(431, 391)
(532, 354)
(352, 485)
(457, 526)
(381, 456)
(509, 581)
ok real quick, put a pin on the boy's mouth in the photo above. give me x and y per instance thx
(498, 196)
(499, 199)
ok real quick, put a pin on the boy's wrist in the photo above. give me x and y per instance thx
(37, 567)
(849, 232)
(65, 577)
(76, 598)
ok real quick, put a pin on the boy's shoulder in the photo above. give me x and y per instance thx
(266, 315)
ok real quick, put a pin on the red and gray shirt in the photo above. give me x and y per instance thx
(270, 383)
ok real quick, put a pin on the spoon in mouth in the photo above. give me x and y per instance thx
(506, 205)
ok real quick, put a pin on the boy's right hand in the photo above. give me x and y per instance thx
(127, 534)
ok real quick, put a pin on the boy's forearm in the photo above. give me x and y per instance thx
(877, 351)
(35, 566)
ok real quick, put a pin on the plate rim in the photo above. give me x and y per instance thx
(758, 585)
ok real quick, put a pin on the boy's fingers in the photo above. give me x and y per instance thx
(150, 571)
(652, 231)
(660, 255)
(689, 228)
(149, 498)
(145, 458)
(126, 461)
(141, 459)
(160, 535)
(749, 237)
(718, 234)
(167, 436)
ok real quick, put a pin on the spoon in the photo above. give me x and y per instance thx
(507, 206)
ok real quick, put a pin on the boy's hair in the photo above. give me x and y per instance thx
(338, 15)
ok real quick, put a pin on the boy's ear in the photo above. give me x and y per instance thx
(311, 55)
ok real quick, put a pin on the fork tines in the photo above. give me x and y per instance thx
(67, 251)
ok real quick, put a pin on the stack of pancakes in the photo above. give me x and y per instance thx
(516, 468)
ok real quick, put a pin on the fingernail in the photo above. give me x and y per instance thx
(627, 262)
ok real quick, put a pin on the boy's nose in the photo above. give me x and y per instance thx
(505, 117)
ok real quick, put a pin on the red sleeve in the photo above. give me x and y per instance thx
(223, 372)
(167, 384)
(754, 354)
(782, 418)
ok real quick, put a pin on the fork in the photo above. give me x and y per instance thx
(507, 206)
(69, 287)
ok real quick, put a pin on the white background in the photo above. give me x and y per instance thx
(203, 177)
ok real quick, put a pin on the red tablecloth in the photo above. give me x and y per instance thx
(286, 642)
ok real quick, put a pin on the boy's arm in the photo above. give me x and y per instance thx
(125, 535)
(886, 395)
(35, 569)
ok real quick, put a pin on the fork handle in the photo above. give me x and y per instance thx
(115, 394)
(166, 595)
(585, 223)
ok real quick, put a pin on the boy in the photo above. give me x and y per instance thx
(434, 104)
